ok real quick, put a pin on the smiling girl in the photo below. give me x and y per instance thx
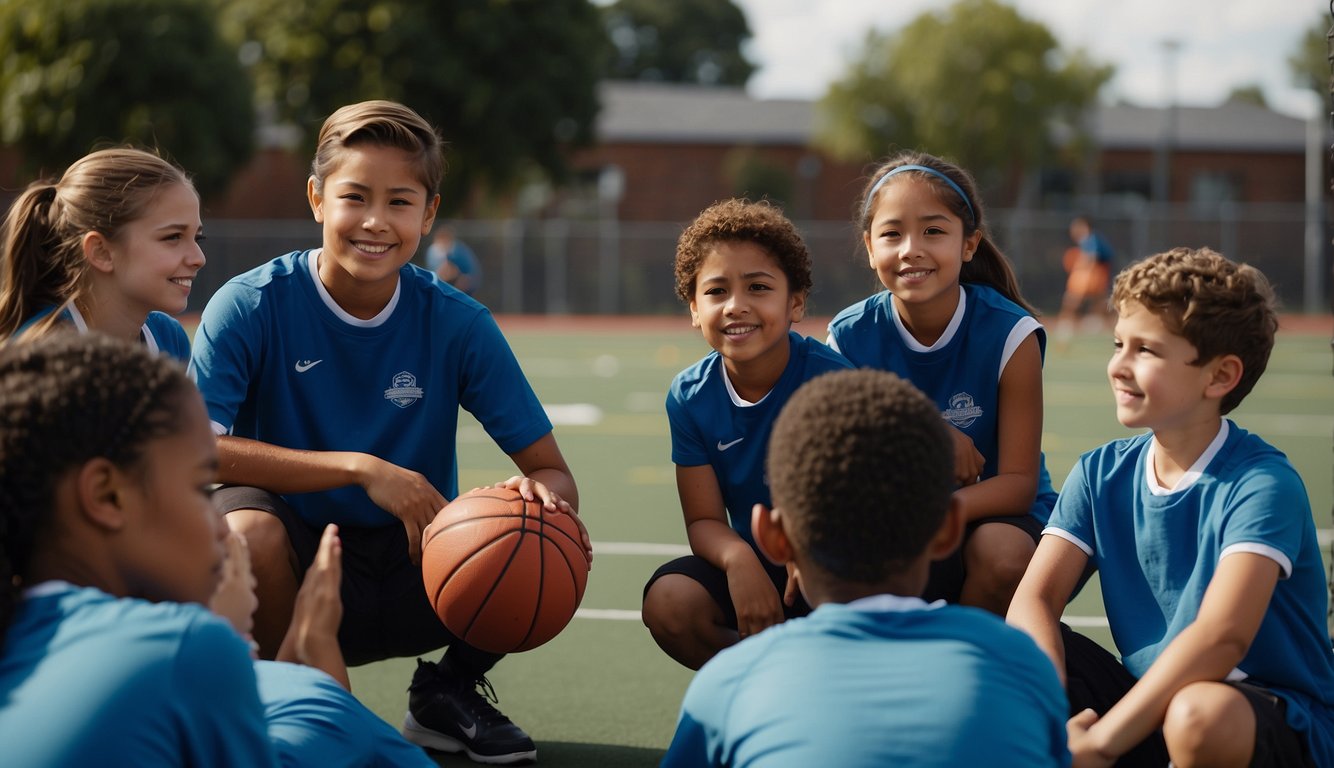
(951, 321)
(112, 246)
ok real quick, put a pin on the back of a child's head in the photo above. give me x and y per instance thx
(737, 220)
(43, 231)
(66, 399)
(955, 189)
(862, 467)
(1219, 306)
(381, 124)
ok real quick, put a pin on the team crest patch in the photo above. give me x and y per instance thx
(404, 391)
(962, 411)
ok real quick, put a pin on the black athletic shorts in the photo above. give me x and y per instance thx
(1096, 679)
(714, 580)
(385, 610)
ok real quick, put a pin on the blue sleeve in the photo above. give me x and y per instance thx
(314, 721)
(688, 447)
(171, 338)
(1267, 505)
(699, 728)
(492, 388)
(1073, 512)
(226, 352)
(217, 700)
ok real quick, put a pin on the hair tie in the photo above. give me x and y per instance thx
(925, 169)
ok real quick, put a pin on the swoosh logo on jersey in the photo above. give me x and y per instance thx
(724, 446)
(305, 365)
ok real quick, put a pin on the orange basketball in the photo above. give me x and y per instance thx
(503, 574)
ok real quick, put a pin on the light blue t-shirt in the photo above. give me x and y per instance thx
(87, 678)
(1156, 553)
(961, 372)
(711, 425)
(884, 681)
(277, 360)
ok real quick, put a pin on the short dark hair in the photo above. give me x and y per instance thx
(861, 465)
(1219, 306)
(739, 220)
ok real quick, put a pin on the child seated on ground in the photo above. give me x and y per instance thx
(1203, 536)
(862, 473)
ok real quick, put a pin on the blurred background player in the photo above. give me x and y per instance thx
(453, 261)
(745, 273)
(860, 465)
(1089, 267)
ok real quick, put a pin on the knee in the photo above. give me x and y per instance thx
(1000, 557)
(264, 534)
(1209, 724)
(664, 611)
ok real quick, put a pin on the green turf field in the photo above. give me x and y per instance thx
(601, 694)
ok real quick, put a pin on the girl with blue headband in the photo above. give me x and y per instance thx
(952, 321)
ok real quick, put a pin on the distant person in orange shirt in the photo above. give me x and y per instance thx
(1089, 264)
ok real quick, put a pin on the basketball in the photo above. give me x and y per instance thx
(503, 574)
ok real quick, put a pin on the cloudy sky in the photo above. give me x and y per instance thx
(801, 45)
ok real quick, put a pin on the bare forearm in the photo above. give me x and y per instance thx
(1001, 495)
(716, 543)
(286, 470)
(1043, 623)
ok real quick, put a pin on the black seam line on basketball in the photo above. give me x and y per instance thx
(499, 577)
(541, 576)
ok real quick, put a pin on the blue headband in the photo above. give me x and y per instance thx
(876, 187)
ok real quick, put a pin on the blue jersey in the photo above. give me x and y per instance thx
(961, 372)
(277, 360)
(711, 425)
(1157, 552)
(314, 721)
(879, 682)
(86, 677)
(1096, 245)
(161, 333)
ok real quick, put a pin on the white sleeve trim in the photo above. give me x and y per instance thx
(218, 429)
(1021, 330)
(1264, 550)
(1061, 533)
(830, 342)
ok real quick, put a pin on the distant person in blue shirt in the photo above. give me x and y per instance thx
(861, 468)
(453, 261)
(1202, 534)
(1088, 264)
(745, 272)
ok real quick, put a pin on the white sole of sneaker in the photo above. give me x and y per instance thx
(422, 736)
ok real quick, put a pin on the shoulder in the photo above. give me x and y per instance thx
(441, 299)
(169, 335)
(817, 355)
(688, 382)
(1249, 458)
(248, 287)
(985, 300)
(866, 310)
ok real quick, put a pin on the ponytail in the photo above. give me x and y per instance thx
(38, 266)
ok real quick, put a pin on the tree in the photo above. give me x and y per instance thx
(1251, 93)
(78, 75)
(977, 83)
(1309, 63)
(687, 41)
(511, 83)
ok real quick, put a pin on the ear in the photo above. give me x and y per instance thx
(316, 200)
(97, 252)
(1224, 376)
(101, 487)
(766, 525)
(694, 314)
(798, 310)
(870, 255)
(428, 220)
(970, 244)
(950, 534)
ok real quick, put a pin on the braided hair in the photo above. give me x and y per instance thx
(66, 399)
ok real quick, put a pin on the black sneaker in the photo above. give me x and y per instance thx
(454, 714)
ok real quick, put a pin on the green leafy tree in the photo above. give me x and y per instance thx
(1309, 63)
(1251, 93)
(686, 41)
(977, 83)
(78, 75)
(510, 83)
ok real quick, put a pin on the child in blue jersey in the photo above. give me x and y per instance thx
(112, 246)
(1203, 538)
(108, 546)
(951, 321)
(334, 377)
(860, 467)
(745, 272)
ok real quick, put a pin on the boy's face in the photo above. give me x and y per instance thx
(375, 212)
(743, 303)
(1153, 381)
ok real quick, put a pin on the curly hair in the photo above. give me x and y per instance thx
(1219, 306)
(65, 399)
(739, 220)
(989, 266)
(861, 464)
(383, 124)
